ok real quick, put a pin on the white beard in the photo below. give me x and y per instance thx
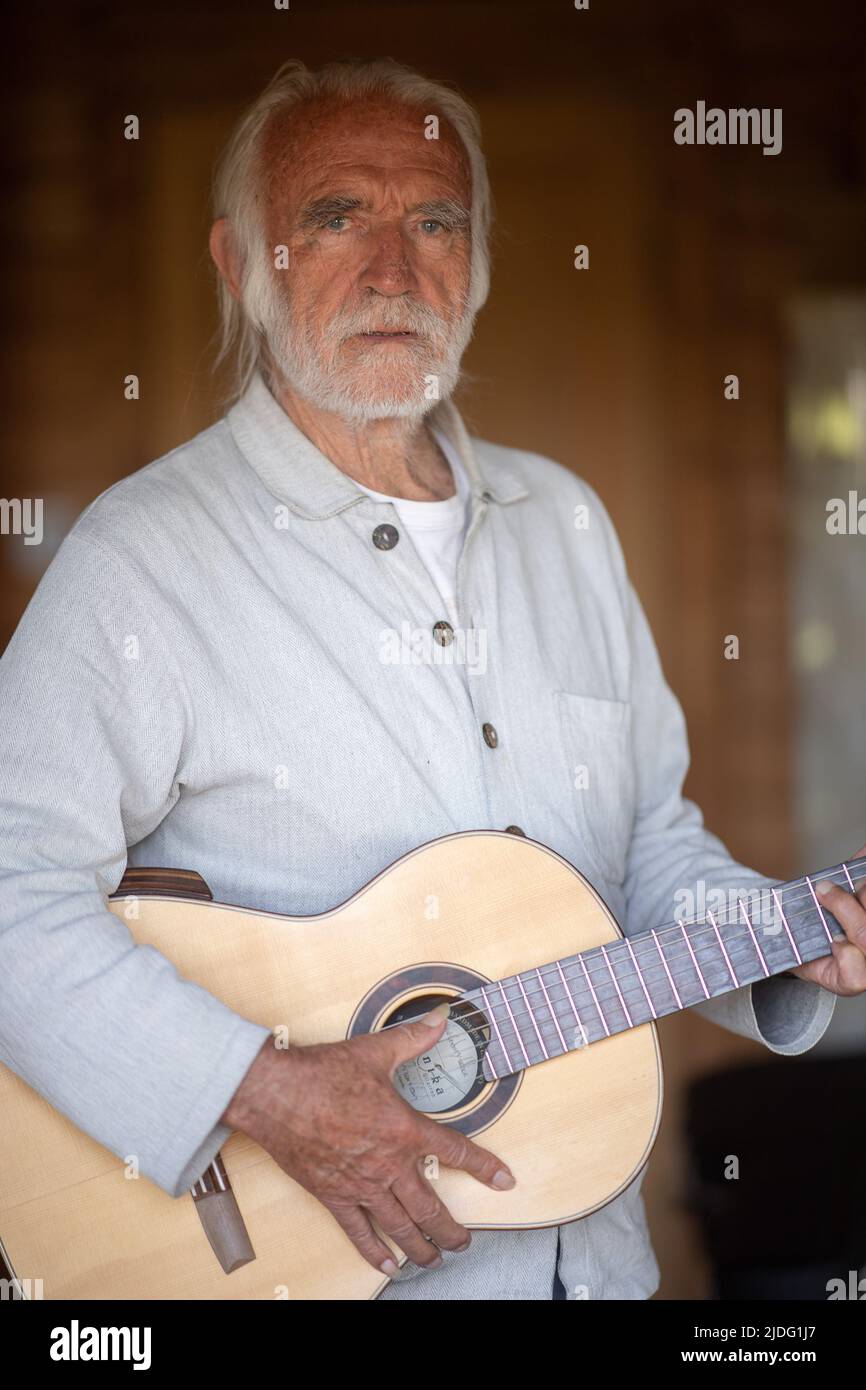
(364, 381)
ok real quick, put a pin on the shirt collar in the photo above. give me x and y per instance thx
(299, 474)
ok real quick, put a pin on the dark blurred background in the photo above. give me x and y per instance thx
(704, 261)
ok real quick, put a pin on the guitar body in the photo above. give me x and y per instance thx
(458, 912)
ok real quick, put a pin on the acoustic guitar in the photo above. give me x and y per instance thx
(550, 1057)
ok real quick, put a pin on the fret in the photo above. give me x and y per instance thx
(532, 1018)
(820, 910)
(519, 1028)
(563, 1044)
(674, 989)
(630, 981)
(529, 1010)
(652, 1006)
(612, 974)
(639, 1006)
(570, 997)
(559, 1001)
(520, 1024)
(742, 964)
(715, 963)
(553, 1013)
(787, 928)
(811, 924)
(491, 1018)
(758, 950)
(581, 1021)
(771, 936)
(766, 947)
(611, 992)
(700, 975)
(594, 996)
(731, 969)
(752, 961)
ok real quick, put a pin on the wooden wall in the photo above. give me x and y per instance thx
(617, 372)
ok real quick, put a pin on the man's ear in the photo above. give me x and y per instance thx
(224, 253)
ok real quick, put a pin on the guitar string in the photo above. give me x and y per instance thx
(675, 929)
(605, 979)
(604, 973)
(579, 1000)
(642, 937)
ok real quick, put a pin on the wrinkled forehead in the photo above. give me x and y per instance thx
(317, 145)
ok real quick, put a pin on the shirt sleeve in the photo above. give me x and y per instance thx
(671, 850)
(94, 724)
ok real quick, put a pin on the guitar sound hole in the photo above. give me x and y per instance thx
(449, 1075)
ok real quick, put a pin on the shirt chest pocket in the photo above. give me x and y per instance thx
(596, 740)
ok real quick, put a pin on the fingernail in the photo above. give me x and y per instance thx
(824, 886)
(388, 1267)
(458, 1249)
(434, 1264)
(435, 1016)
(503, 1180)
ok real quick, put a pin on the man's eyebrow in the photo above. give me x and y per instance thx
(446, 210)
(323, 209)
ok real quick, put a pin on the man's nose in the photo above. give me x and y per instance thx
(389, 267)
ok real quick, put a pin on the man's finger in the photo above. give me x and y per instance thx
(429, 1212)
(393, 1218)
(359, 1228)
(848, 911)
(408, 1040)
(456, 1151)
(850, 968)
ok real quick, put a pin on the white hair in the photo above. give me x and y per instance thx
(239, 179)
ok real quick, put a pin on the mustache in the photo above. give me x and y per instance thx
(410, 316)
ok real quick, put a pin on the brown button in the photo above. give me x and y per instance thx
(514, 830)
(385, 537)
(491, 738)
(444, 633)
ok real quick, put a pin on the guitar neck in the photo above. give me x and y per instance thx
(581, 999)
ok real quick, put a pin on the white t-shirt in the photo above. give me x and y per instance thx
(436, 528)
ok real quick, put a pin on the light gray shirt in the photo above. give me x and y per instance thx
(211, 676)
(437, 530)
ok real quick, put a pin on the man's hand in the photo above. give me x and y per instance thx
(331, 1118)
(843, 972)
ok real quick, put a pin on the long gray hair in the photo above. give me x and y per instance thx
(238, 179)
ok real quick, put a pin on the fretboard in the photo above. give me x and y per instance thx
(579, 1000)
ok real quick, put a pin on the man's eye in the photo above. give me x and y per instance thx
(331, 220)
(431, 222)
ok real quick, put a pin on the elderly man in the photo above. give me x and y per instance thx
(202, 680)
